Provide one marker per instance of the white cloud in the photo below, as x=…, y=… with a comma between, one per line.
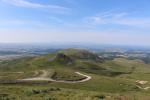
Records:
x=105, y=18
x=137, y=22
x=12, y=22
x=25, y=24
x=118, y=19
x=27, y=4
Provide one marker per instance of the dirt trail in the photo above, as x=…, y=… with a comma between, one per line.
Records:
x=44, y=77
x=87, y=77
x=144, y=88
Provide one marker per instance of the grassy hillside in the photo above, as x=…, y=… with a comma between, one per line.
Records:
x=112, y=79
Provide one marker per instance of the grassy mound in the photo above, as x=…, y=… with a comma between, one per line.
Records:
x=81, y=54
x=66, y=75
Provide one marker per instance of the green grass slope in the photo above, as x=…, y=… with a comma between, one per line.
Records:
x=111, y=79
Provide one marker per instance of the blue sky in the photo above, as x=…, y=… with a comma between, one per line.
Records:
x=125, y=22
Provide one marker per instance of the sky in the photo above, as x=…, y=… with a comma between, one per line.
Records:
x=120, y=22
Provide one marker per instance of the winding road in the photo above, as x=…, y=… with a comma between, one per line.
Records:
x=44, y=77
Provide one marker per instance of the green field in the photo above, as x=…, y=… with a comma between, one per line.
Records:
x=111, y=79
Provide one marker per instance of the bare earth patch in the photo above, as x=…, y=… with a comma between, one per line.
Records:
x=142, y=83
x=45, y=74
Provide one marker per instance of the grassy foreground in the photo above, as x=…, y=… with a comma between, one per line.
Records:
x=111, y=79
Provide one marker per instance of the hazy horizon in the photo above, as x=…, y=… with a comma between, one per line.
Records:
x=56, y=45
